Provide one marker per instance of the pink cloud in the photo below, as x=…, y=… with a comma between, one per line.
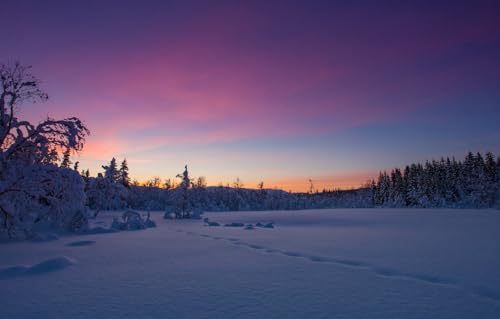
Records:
x=223, y=76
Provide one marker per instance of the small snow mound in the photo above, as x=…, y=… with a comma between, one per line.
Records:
x=209, y=223
x=235, y=225
x=12, y=271
x=132, y=220
x=213, y=224
x=81, y=243
x=169, y=215
x=49, y=265
x=262, y=225
x=172, y=213
x=196, y=214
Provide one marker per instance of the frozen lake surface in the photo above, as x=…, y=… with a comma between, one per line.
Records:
x=344, y=263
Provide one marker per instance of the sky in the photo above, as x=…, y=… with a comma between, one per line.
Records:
x=273, y=91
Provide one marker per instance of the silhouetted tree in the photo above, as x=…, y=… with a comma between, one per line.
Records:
x=66, y=162
x=444, y=183
x=238, y=183
x=23, y=140
x=183, y=200
x=201, y=182
x=111, y=171
x=123, y=177
x=32, y=187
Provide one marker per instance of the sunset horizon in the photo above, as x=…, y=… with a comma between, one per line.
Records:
x=253, y=159
x=263, y=91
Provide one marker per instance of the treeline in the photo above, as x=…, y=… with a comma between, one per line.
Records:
x=40, y=187
x=112, y=190
x=471, y=183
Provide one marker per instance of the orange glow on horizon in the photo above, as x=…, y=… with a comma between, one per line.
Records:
x=302, y=184
x=295, y=184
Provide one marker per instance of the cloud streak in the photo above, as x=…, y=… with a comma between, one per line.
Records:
x=159, y=75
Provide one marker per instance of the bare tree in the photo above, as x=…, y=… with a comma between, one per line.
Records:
x=201, y=182
x=154, y=182
x=311, y=186
x=23, y=140
x=260, y=186
x=238, y=183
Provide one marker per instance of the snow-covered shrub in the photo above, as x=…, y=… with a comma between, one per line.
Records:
x=196, y=213
x=149, y=223
x=132, y=220
x=34, y=195
x=169, y=214
x=104, y=194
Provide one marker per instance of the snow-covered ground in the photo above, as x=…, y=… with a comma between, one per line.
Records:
x=352, y=263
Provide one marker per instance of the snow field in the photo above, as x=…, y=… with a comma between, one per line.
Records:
x=353, y=263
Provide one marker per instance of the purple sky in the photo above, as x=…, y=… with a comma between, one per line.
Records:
x=279, y=91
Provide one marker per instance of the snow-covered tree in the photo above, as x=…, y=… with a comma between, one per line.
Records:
x=111, y=171
x=123, y=177
x=444, y=183
x=180, y=200
x=33, y=190
x=104, y=194
x=39, y=194
x=186, y=181
x=109, y=190
x=183, y=200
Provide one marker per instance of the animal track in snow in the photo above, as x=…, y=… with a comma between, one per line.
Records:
x=383, y=272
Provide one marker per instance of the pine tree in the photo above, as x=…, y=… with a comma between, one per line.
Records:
x=66, y=162
x=490, y=171
x=497, y=197
x=111, y=171
x=124, y=178
x=397, y=188
x=185, y=179
x=475, y=182
x=184, y=203
x=201, y=182
x=383, y=189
